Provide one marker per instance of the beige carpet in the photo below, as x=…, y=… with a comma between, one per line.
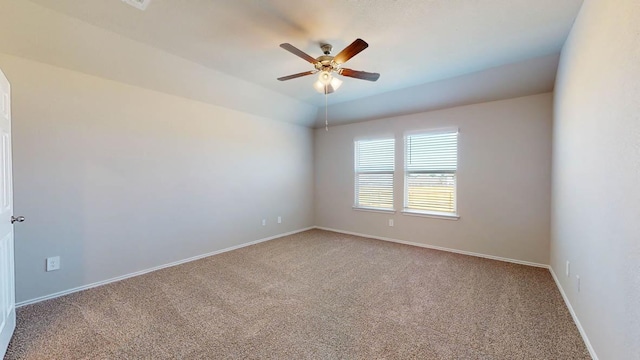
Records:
x=313, y=295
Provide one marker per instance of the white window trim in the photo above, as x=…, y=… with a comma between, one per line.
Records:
x=433, y=131
x=380, y=136
x=405, y=195
x=429, y=214
x=355, y=173
x=368, y=209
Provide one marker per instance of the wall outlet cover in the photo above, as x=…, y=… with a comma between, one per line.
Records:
x=53, y=263
x=138, y=4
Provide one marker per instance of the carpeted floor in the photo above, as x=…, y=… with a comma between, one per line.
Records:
x=313, y=295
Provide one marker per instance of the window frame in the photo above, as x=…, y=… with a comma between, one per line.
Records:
x=392, y=172
x=428, y=213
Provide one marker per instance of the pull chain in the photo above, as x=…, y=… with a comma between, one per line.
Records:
x=326, y=111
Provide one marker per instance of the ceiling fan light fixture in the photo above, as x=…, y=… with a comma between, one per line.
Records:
x=330, y=87
x=336, y=83
x=325, y=77
x=320, y=87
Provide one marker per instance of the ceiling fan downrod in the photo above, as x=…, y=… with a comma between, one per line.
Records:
x=326, y=48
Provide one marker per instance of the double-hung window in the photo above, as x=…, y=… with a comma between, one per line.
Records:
x=431, y=162
x=374, y=167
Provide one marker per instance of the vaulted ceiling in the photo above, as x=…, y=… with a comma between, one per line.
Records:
x=414, y=44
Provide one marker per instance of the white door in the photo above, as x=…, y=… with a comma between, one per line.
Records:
x=7, y=281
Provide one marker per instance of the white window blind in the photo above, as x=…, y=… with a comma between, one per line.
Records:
x=431, y=162
x=374, y=166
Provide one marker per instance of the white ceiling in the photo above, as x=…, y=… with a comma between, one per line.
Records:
x=226, y=53
x=411, y=42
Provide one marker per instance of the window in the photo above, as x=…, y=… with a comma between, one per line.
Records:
x=374, y=166
x=431, y=161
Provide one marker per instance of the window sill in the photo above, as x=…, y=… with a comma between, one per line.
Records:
x=385, y=211
x=430, y=215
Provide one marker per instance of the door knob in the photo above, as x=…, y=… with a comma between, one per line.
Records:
x=17, y=219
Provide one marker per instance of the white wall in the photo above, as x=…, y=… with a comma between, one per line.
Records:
x=596, y=175
x=504, y=179
x=116, y=178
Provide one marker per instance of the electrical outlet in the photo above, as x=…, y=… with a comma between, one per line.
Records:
x=279, y=219
x=578, y=282
x=264, y=222
x=390, y=222
x=568, y=269
x=53, y=263
x=138, y=4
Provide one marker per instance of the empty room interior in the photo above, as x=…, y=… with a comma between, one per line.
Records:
x=341, y=179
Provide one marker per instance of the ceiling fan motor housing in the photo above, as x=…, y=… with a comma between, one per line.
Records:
x=326, y=63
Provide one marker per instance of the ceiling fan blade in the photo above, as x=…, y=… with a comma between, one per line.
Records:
x=350, y=51
x=284, y=78
x=295, y=51
x=359, y=74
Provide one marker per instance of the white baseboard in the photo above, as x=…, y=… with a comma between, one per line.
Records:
x=592, y=352
x=515, y=261
x=118, y=278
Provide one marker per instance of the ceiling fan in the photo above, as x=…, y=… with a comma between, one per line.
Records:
x=327, y=64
